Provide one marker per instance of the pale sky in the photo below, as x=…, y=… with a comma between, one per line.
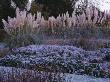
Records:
x=30, y=1
x=104, y=5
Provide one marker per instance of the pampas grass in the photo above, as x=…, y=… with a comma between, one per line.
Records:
x=25, y=25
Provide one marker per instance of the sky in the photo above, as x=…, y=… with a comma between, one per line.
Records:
x=30, y=1
x=101, y=4
x=104, y=5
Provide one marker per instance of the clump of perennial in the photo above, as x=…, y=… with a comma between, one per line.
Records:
x=90, y=17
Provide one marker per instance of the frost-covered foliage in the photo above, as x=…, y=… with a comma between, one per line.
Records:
x=9, y=74
x=66, y=59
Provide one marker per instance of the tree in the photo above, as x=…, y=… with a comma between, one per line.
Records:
x=21, y=3
x=55, y=7
x=7, y=10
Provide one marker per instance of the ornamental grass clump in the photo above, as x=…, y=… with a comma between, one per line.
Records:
x=21, y=28
x=91, y=22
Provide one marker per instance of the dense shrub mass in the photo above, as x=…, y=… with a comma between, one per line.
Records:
x=63, y=59
x=9, y=74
